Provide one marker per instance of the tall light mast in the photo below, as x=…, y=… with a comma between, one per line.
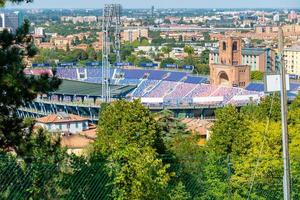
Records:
x=111, y=38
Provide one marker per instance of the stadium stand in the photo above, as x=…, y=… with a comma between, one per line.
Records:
x=176, y=76
x=175, y=88
x=67, y=73
x=181, y=90
x=38, y=71
x=134, y=73
x=157, y=74
x=295, y=86
x=259, y=87
x=226, y=92
x=128, y=82
x=162, y=89
x=195, y=79
x=202, y=90
x=144, y=87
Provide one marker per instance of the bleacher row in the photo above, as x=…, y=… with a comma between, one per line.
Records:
x=125, y=76
x=184, y=93
x=172, y=86
x=38, y=71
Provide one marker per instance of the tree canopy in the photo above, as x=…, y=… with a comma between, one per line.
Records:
x=17, y=88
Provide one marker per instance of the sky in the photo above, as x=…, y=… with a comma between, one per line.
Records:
x=162, y=4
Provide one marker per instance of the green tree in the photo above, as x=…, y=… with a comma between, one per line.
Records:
x=206, y=36
x=36, y=174
x=167, y=21
x=166, y=50
x=91, y=53
x=257, y=75
x=229, y=139
x=141, y=52
x=252, y=138
x=201, y=69
x=86, y=178
x=67, y=47
x=43, y=155
x=261, y=165
x=132, y=59
x=180, y=149
x=167, y=61
x=189, y=50
x=126, y=51
x=76, y=41
x=140, y=60
x=3, y=2
x=17, y=88
x=126, y=138
x=99, y=56
x=144, y=42
x=204, y=57
x=158, y=41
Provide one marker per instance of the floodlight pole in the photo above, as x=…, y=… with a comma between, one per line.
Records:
x=284, y=127
x=111, y=23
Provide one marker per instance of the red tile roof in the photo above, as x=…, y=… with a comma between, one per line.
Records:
x=55, y=118
x=75, y=141
x=197, y=126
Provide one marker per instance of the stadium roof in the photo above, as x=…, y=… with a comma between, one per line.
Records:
x=71, y=87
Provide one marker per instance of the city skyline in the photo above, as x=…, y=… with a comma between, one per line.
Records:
x=162, y=4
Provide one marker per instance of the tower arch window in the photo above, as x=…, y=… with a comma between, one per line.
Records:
x=224, y=46
x=234, y=46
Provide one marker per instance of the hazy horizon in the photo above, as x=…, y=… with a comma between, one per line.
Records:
x=134, y=4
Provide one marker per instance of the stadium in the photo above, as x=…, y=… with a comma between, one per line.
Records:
x=186, y=94
x=84, y=88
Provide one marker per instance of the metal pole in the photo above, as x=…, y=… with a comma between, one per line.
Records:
x=229, y=176
x=284, y=127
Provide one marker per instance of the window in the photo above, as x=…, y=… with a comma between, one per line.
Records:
x=224, y=46
x=76, y=124
x=234, y=46
x=242, y=83
x=84, y=125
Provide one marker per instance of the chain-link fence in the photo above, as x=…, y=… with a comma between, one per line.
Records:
x=79, y=179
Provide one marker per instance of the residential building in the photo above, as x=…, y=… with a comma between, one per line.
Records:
x=63, y=123
x=263, y=32
x=259, y=59
x=276, y=18
x=292, y=60
x=11, y=21
x=39, y=31
x=75, y=131
x=292, y=17
x=79, y=19
x=130, y=35
x=183, y=36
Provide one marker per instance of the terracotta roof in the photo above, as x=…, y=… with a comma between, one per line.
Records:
x=91, y=133
x=58, y=118
x=75, y=141
x=197, y=126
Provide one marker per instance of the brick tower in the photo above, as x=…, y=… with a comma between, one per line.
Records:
x=228, y=69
